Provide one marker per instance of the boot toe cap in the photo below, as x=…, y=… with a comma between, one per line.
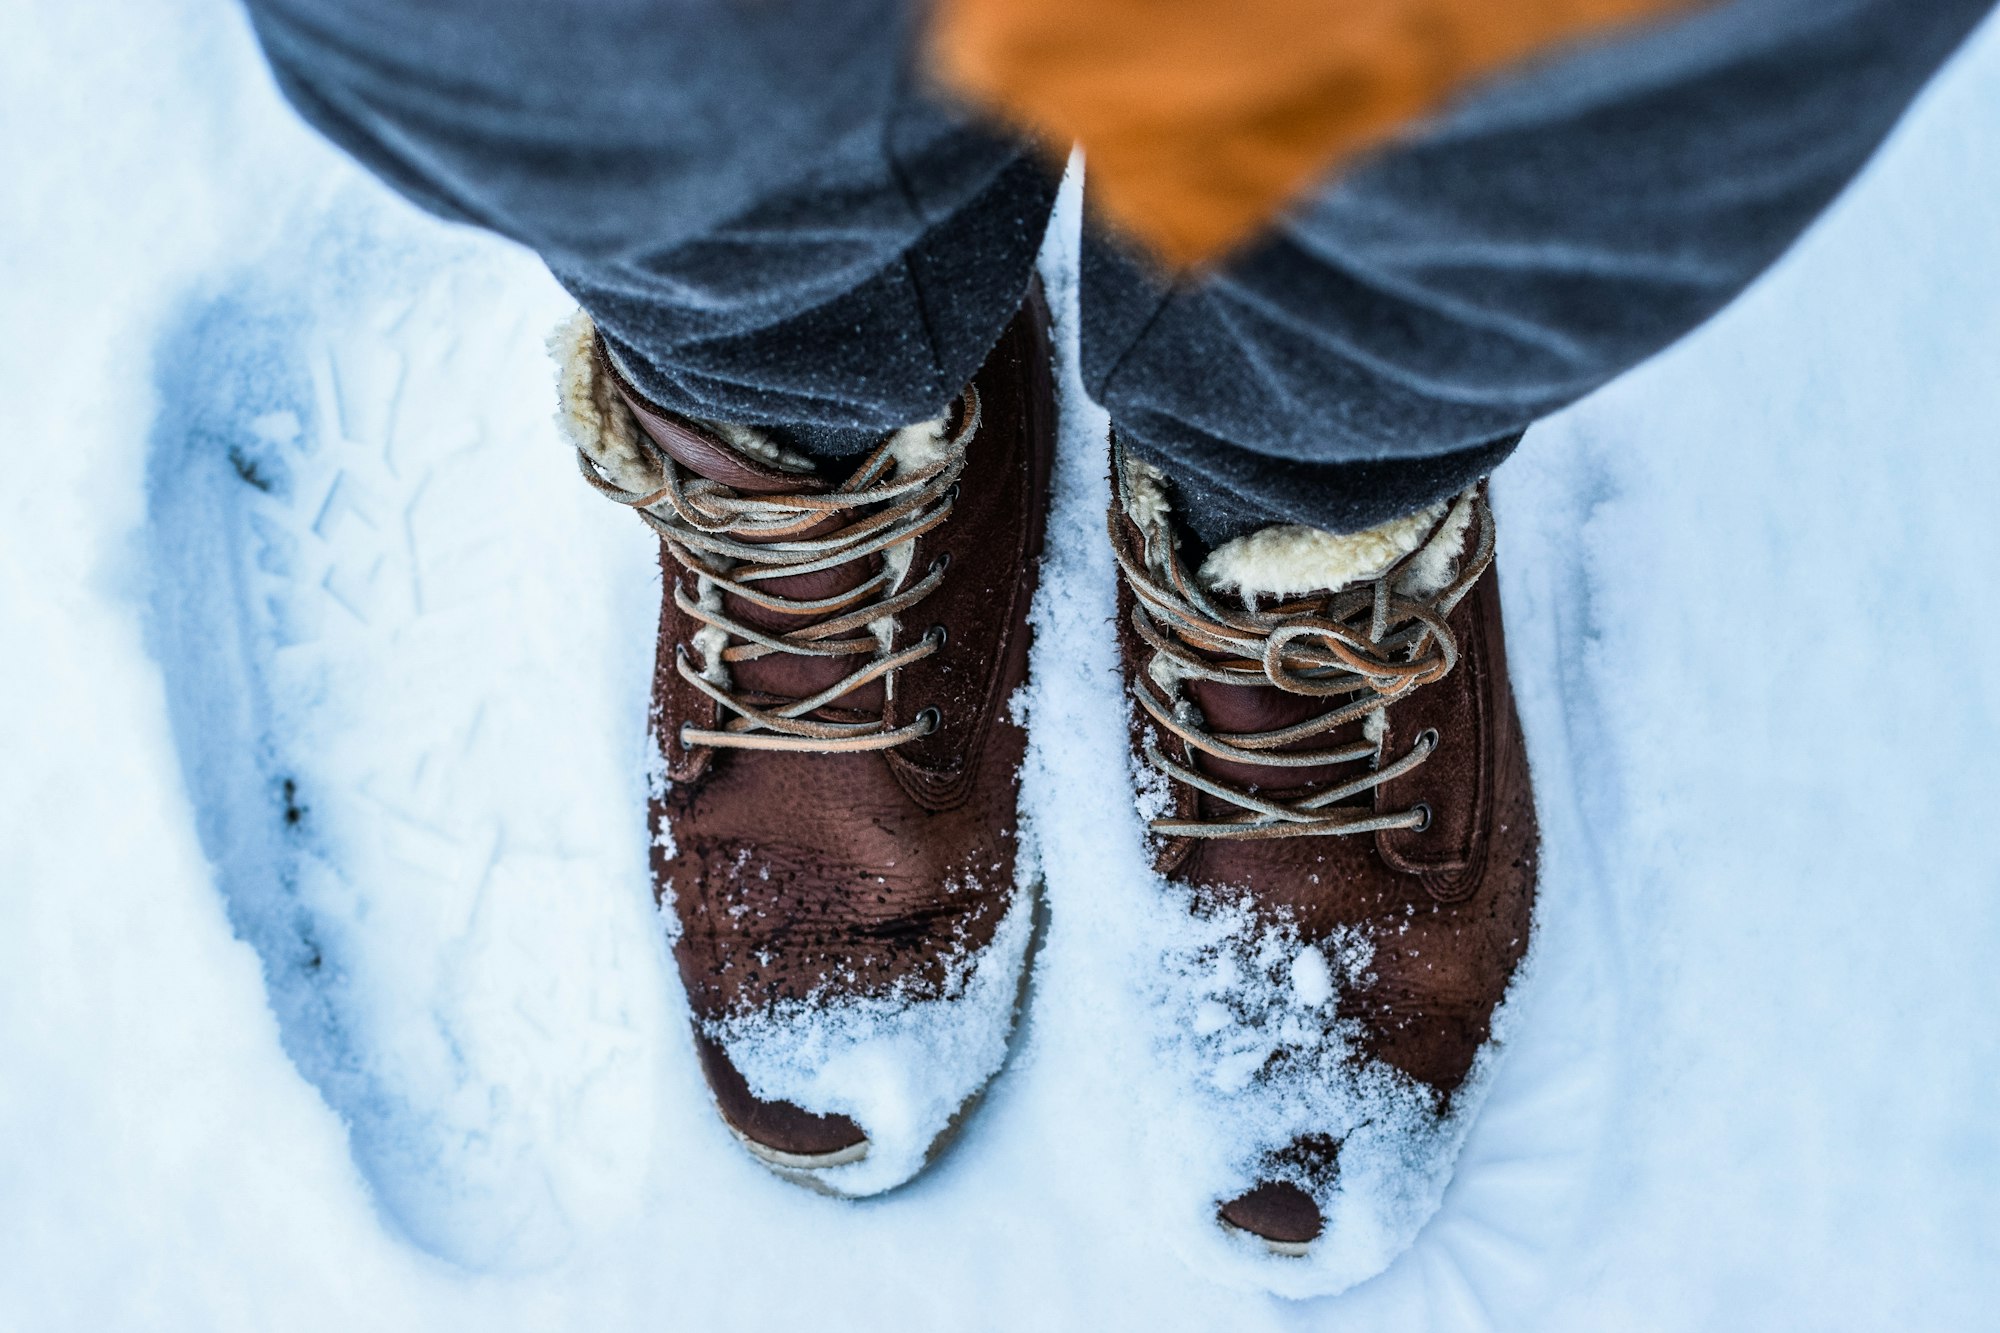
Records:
x=1278, y=1213
x=778, y=1133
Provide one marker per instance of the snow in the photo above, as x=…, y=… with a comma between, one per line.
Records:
x=322, y=555
x=900, y=1067
x=1747, y=1083
x=1245, y=1064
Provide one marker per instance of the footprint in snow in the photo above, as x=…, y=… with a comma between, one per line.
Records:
x=360, y=609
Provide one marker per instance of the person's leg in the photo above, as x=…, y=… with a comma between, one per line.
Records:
x=1313, y=644
x=767, y=222
x=769, y=227
x=1386, y=343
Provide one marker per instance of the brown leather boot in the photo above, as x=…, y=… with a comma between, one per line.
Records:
x=835, y=816
x=1323, y=728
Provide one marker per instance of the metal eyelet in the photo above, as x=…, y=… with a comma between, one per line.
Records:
x=1423, y=811
x=942, y=563
x=937, y=636
x=951, y=493
x=1428, y=736
x=931, y=719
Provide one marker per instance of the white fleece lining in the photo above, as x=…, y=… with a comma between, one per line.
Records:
x=1434, y=567
x=1145, y=495
x=749, y=440
x=1288, y=560
x=593, y=416
x=918, y=446
x=710, y=640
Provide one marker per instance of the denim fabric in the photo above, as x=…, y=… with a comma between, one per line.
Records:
x=772, y=221
x=1547, y=234
x=764, y=219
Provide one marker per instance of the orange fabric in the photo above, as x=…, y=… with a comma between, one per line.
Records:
x=1203, y=118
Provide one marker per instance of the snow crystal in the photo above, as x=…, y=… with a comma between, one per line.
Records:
x=1312, y=978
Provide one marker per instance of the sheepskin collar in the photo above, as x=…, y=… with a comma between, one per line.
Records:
x=1288, y=560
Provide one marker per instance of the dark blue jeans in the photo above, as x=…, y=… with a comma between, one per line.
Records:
x=773, y=221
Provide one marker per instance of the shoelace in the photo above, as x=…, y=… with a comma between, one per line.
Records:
x=704, y=524
x=1367, y=641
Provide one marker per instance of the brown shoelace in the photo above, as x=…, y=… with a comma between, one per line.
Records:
x=705, y=525
x=1367, y=644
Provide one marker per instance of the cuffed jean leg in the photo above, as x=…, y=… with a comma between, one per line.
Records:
x=1387, y=342
x=766, y=218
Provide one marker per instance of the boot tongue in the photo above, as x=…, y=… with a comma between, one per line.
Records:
x=1253, y=708
x=1288, y=562
x=706, y=454
x=1249, y=708
x=777, y=675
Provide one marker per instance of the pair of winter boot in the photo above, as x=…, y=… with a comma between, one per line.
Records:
x=1323, y=742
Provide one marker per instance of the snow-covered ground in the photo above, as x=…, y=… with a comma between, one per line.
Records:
x=330, y=990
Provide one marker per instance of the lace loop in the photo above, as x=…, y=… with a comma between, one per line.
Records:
x=1363, y=649
x=732, y=542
